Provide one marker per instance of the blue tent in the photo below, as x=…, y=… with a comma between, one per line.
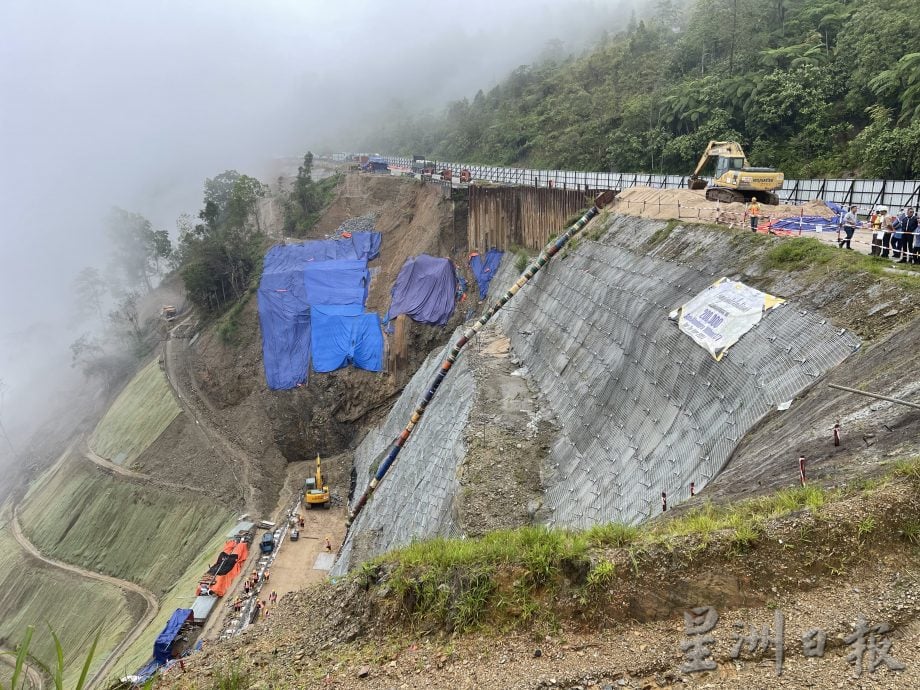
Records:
x=162, y=648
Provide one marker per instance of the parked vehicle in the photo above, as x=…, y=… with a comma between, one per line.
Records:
x=267, y=545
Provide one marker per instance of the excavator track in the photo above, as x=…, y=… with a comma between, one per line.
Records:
x=726, y=196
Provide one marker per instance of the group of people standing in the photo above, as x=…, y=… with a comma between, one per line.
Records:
x=893, y=235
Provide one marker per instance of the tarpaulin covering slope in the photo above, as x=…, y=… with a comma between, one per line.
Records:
x=343, y=281
x=425, y=289
x=343, y=335
x=163, y=645
x=284, y=313
x=484, y=268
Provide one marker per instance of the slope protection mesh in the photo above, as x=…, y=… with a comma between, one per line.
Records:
x=640, y=407
x=414, y=500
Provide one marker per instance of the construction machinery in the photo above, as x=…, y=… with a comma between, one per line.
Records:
x=734, y=180
x=315, y=493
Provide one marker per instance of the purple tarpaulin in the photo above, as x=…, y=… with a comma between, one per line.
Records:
x=425, y=290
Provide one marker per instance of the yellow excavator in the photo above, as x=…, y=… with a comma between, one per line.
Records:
x=734, y=180
x=315, y=493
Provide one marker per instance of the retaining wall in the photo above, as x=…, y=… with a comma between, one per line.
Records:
x=414, y=500
x=640, y=408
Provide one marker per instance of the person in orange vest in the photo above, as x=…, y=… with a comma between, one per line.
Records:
x=754, y=213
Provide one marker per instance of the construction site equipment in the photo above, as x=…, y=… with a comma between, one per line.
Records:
x=168, y=312
x=466, y=176
x=447, y=174
x=267, y=545
x=545, y=256
x=315, y=493
x=734, y=180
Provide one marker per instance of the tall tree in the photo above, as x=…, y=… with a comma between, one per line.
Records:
x=90, y=289
x=136, y=247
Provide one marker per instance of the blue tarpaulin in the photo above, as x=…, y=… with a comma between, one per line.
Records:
x=484, y=269
x=162, y=648
x=425, y=290
x=284, y=306
x=337, y=282
x=806, y=224
x=291, y=257
x=343, y=335
x=284, y=315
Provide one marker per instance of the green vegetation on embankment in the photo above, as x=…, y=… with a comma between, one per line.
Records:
x=812, y=87
x=130, y=529
x=537, y=575
x=76, y=608
x=138, y=416
x=180, y=596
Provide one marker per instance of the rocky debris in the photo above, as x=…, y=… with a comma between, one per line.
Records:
x=363, y=223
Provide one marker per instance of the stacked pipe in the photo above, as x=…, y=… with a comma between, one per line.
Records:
x=545, y=256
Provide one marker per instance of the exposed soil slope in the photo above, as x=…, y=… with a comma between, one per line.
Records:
x=325, y=415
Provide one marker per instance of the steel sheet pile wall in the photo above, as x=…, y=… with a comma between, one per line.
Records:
x=507, y=217
x=414, y=500
x=641, y=408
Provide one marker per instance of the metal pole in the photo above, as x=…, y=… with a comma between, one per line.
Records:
x=873, y=395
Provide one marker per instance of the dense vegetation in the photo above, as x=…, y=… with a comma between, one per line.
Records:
x=218, y=255
x=813, y=87
x=307, y=199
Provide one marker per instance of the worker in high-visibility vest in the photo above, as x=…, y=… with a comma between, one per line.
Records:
x=754, y=213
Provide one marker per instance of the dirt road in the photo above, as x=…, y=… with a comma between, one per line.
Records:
x=35, y=678
x=294, y=566
x=153, y=605
x=237, y=460
x=111, y=467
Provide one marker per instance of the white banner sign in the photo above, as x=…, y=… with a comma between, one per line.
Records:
x=726, y=310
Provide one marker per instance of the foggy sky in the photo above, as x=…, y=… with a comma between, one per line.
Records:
x=134, y=103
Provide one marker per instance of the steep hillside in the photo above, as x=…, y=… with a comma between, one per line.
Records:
x=128, y=528
x=325, y=415
x=813, y=87
x=621, y=406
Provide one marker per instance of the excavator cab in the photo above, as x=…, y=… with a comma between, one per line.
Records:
x=725, y=163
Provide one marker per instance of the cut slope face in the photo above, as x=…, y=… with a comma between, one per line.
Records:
x=138, y=416
x=416, y=497
x=641, y=408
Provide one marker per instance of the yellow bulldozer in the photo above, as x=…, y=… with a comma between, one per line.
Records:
x=315, y=493
x=734, y=179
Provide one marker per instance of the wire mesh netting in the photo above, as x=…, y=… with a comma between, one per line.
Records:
x=414, y=499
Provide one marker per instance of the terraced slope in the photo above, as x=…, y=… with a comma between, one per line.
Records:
x=74, y=607
x=138, y=416
x=127, y=528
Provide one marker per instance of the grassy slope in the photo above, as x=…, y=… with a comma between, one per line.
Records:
x=119, y=527
x=138, y=416
x=74, y=607
x=180, y=596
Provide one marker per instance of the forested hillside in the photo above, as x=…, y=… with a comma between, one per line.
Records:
x=813, y=87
